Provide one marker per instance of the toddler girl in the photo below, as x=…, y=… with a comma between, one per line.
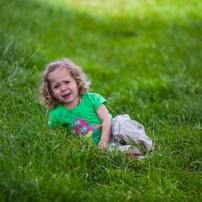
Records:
x=65, y=89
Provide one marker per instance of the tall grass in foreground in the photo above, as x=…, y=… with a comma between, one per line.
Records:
x=144, y=57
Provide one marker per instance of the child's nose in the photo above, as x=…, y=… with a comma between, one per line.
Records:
x=63, y=88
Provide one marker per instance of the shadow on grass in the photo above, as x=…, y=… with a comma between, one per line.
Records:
x=119, y=41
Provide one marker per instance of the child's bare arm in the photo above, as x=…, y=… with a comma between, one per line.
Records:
x=105, y=119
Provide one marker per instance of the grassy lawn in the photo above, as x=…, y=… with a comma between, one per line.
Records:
x=144, y=57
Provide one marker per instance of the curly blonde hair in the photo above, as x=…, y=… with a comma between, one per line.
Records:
x=83, y=82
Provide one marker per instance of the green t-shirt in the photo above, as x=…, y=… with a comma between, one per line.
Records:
x=83, y=119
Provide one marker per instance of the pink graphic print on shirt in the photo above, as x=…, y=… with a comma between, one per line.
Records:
x=80, y=126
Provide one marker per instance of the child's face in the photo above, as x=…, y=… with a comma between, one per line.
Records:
x=64, y=87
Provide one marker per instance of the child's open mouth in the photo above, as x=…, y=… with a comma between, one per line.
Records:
x=66, y=95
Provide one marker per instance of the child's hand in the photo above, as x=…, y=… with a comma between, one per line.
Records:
x=103, y=144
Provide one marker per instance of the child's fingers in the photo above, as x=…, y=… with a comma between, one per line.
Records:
x=103, y=145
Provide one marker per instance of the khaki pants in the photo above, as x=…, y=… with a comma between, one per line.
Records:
x=129, y=136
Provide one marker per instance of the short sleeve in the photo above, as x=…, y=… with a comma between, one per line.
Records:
x=98, y=100
x=53, y=122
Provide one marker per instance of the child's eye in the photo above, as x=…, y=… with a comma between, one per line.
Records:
x=67, y=82
x=57, y=86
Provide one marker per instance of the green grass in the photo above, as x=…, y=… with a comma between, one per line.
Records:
x=144, y=57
